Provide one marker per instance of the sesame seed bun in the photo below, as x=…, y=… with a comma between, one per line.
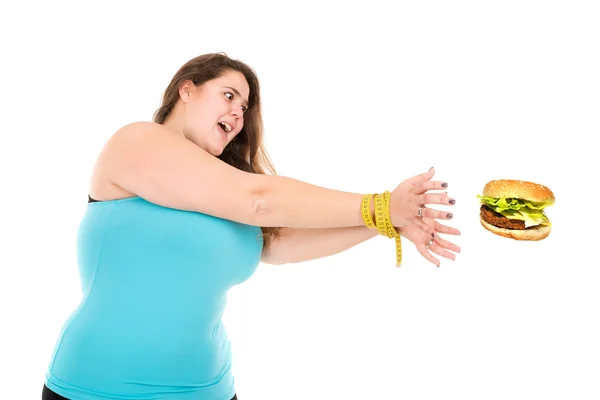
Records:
x=517, y=189
x=538, y=232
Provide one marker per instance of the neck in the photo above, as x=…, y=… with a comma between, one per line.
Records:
x=173, y=123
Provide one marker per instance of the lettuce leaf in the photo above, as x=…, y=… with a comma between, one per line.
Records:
x=531, y=212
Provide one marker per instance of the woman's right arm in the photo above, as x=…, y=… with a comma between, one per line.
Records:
x=164, y=168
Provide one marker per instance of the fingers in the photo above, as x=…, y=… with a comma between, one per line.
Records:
x=435, y=214
x=428, y=256
x=439, y=250
x=425, y=228
x=426, y=186
x=442, y=244
x=421, y=177
x=439, y=246
x=446, y=229
x=435, y=198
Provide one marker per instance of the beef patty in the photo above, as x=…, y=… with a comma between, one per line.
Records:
x=500, y=220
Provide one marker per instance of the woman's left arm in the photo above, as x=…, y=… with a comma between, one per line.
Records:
x=295, y=245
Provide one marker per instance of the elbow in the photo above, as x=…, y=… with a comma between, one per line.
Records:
x=270, y=203
x=257, y=193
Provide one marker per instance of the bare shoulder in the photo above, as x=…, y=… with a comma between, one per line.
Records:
x=134, y=130
x=102, y=184
x=148, y=160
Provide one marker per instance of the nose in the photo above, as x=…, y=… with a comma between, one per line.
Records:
x=236, y=110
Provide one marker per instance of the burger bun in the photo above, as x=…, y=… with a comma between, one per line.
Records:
x=537, y=232
x=517, y=189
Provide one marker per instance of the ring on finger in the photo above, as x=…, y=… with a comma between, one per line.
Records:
x=420, y=212
x=429, y=243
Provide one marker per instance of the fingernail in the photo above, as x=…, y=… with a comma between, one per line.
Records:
x=438, y=265
x=433, y=235
x=430, y=168
x=452, y=201
x=449, y=215
x=444, y=184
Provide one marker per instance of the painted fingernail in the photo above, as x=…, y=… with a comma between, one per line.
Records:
x=452, y=201
x=430, y=168
x=433, y=235
x=449, y=215
x=444, y=184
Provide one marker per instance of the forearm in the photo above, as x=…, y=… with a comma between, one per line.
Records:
x=283, y=201
x=295, y=245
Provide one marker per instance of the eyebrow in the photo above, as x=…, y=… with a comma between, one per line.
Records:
x=237, y=94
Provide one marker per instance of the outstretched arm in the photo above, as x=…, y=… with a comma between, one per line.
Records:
x=296, y=245
x=161, y=166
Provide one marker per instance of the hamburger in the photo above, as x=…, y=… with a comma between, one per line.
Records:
x=516, y=209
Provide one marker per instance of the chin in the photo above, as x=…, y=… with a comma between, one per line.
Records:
x=217, y=153
x=216, y=149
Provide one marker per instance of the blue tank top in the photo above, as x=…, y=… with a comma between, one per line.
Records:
x=149, y=325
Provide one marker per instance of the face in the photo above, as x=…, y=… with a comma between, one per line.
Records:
x=214, y=111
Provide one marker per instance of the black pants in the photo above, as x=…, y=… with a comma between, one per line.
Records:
x=48, y=394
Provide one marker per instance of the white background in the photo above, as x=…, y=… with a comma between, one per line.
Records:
x=357, y=97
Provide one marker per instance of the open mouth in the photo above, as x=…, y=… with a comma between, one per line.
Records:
x=225, y=127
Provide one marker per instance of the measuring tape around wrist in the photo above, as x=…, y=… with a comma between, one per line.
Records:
x=383, y=222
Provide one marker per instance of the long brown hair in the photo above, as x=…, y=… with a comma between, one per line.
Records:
x=246, y=151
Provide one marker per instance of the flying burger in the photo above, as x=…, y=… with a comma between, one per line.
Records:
x=515, y=209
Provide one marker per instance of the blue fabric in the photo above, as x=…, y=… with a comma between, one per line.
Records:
x=155, y=282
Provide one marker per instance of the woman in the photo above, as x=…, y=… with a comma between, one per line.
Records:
x=180, y=210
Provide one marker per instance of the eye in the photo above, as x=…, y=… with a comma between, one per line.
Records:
x=230, y=97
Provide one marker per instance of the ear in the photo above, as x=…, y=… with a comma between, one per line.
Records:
x=186, y=90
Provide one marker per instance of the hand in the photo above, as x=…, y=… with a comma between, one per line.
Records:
x=439, y=246
x=410, y=196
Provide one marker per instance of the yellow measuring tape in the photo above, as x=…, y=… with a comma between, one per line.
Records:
x=383, y=222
